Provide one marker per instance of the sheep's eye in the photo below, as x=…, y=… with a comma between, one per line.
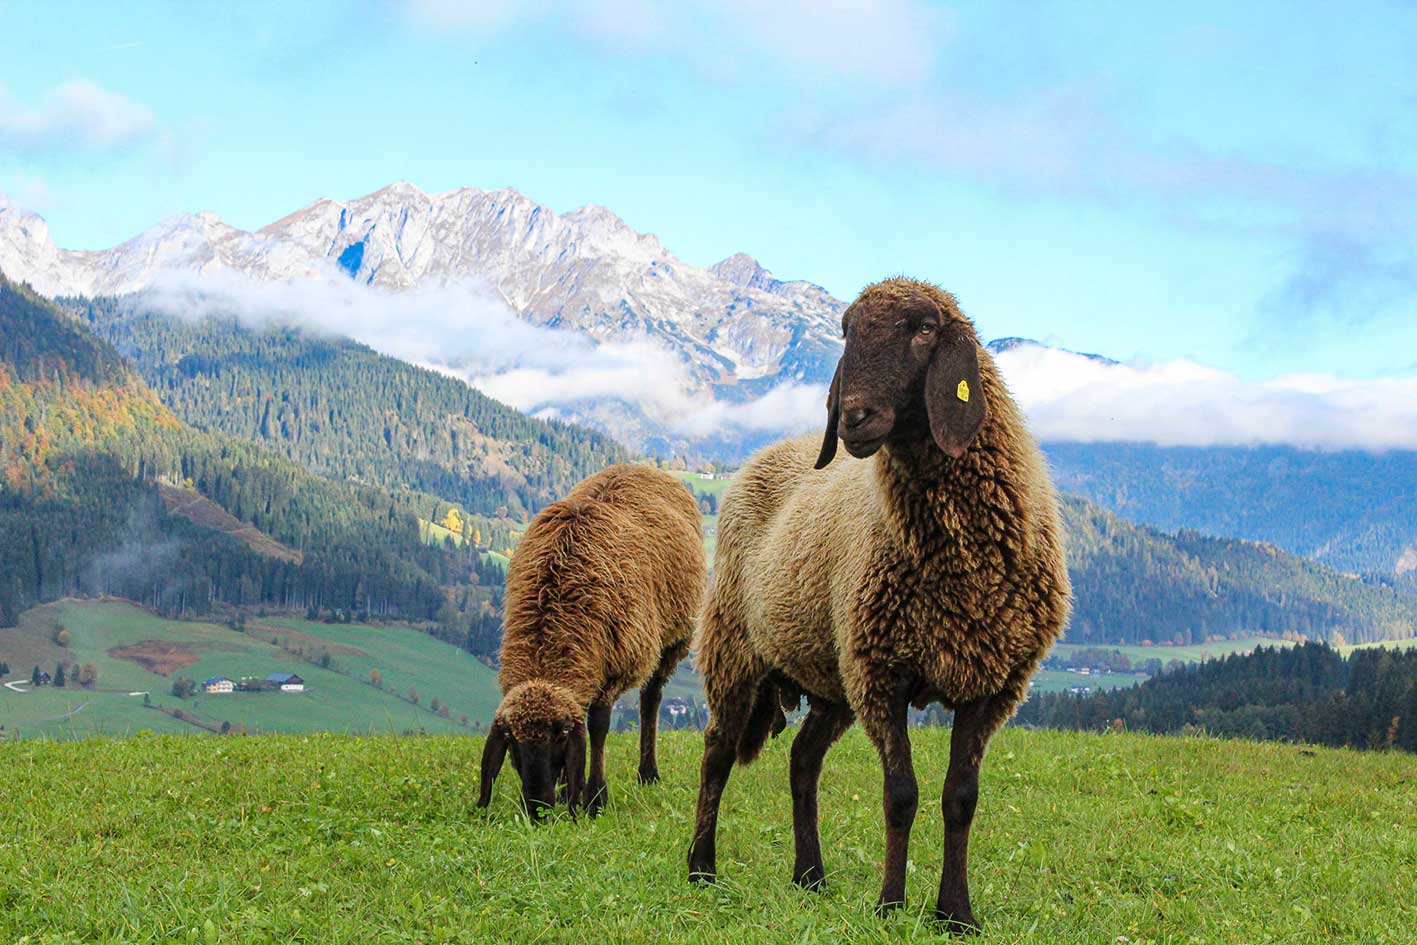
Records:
x=926, y=328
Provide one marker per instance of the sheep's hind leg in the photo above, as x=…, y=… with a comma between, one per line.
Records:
x=974, y=723
x=823, y=726
x=596, y=792
x=650, y=695
x=729, y=711
x=887, y=728
x=731, y=675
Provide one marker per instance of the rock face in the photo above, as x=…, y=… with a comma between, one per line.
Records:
x=587, y=270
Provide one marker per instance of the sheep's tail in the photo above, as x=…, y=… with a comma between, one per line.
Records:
x=767, y=717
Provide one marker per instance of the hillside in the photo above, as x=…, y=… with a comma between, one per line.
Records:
x=347, y=412
x=1353, y=510
x=1078, y=839
x=135, y=652
x=1133, y=583
x=85, y=447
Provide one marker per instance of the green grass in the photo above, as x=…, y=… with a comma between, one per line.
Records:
x=1057, y=680
x=1186, y=654
x=333, y=839
x=334, y=701
x=714, y=487
x=407, y=658
x=1406, y=644
x=434, y=534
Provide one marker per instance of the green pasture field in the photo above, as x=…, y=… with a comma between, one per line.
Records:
x=333, y=701
x=1057, y=680
x=1390, y=644
x=1079, y=838
x=1186, y=654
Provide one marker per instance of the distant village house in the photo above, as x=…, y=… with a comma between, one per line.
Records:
x=218, y=684
x=287, y=682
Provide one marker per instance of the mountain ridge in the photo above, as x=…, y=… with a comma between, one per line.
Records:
x=585, y=269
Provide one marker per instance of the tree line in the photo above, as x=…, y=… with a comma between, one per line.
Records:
x=1305, y=693
x=347, y=412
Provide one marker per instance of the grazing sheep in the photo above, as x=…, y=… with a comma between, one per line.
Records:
x=602, y=596
x=934, y=573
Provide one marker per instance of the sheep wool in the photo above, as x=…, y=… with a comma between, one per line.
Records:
x=602, y=596
x=910, y=577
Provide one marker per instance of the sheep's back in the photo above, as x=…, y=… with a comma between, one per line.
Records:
x=604, y=580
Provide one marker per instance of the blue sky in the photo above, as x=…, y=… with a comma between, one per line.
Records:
x=1233, y=185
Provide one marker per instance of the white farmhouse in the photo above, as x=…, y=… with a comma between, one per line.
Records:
x=287, y=682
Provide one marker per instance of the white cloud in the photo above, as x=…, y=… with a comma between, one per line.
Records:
x=1068, y=397
x=466, y=330
x=890, y=42
x=76, y=116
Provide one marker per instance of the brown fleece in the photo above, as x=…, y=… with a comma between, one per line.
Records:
x=907, y=577
x=606, y=582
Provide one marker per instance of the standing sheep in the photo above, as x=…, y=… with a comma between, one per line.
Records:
x=934, y=573
x=602, y=595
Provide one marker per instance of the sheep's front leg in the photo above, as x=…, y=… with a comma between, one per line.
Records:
x=823, y=726
x=597, y=725
x=887, y=728
x=974, y=723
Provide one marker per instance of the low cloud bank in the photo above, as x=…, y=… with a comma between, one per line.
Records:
x=1071, y=398
x=468, y=331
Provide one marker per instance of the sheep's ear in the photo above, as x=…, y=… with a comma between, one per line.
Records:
x=493, y=754
x=954, y=397
x=575, y=765
x=828, y=452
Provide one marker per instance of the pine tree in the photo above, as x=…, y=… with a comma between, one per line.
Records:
x=59, y=675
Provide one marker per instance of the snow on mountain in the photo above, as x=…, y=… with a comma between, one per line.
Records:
x=585, y=270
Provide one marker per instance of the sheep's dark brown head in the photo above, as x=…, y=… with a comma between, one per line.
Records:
x=542, y=726
x=910, y=366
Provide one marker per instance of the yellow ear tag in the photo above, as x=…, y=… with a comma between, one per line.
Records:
x=962, y=391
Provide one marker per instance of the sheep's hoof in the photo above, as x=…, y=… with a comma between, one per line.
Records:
x=702, y=877
x=958, y=923
x=649, y=775
x=595, y=799
x=884, y=908
x=813, y=878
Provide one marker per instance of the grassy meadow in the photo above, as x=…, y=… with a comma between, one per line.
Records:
x=338, y=698
x=327, y=838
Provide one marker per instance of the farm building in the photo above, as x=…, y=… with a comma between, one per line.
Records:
x=218, y=684
x=288, y=682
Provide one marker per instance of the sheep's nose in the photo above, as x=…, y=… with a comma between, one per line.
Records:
x=854, y=418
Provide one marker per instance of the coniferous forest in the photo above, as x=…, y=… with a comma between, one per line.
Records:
x=346, y=412
x=1306, y=693
x=84, y=446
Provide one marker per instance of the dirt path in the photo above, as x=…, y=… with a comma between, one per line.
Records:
x=55, y=718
